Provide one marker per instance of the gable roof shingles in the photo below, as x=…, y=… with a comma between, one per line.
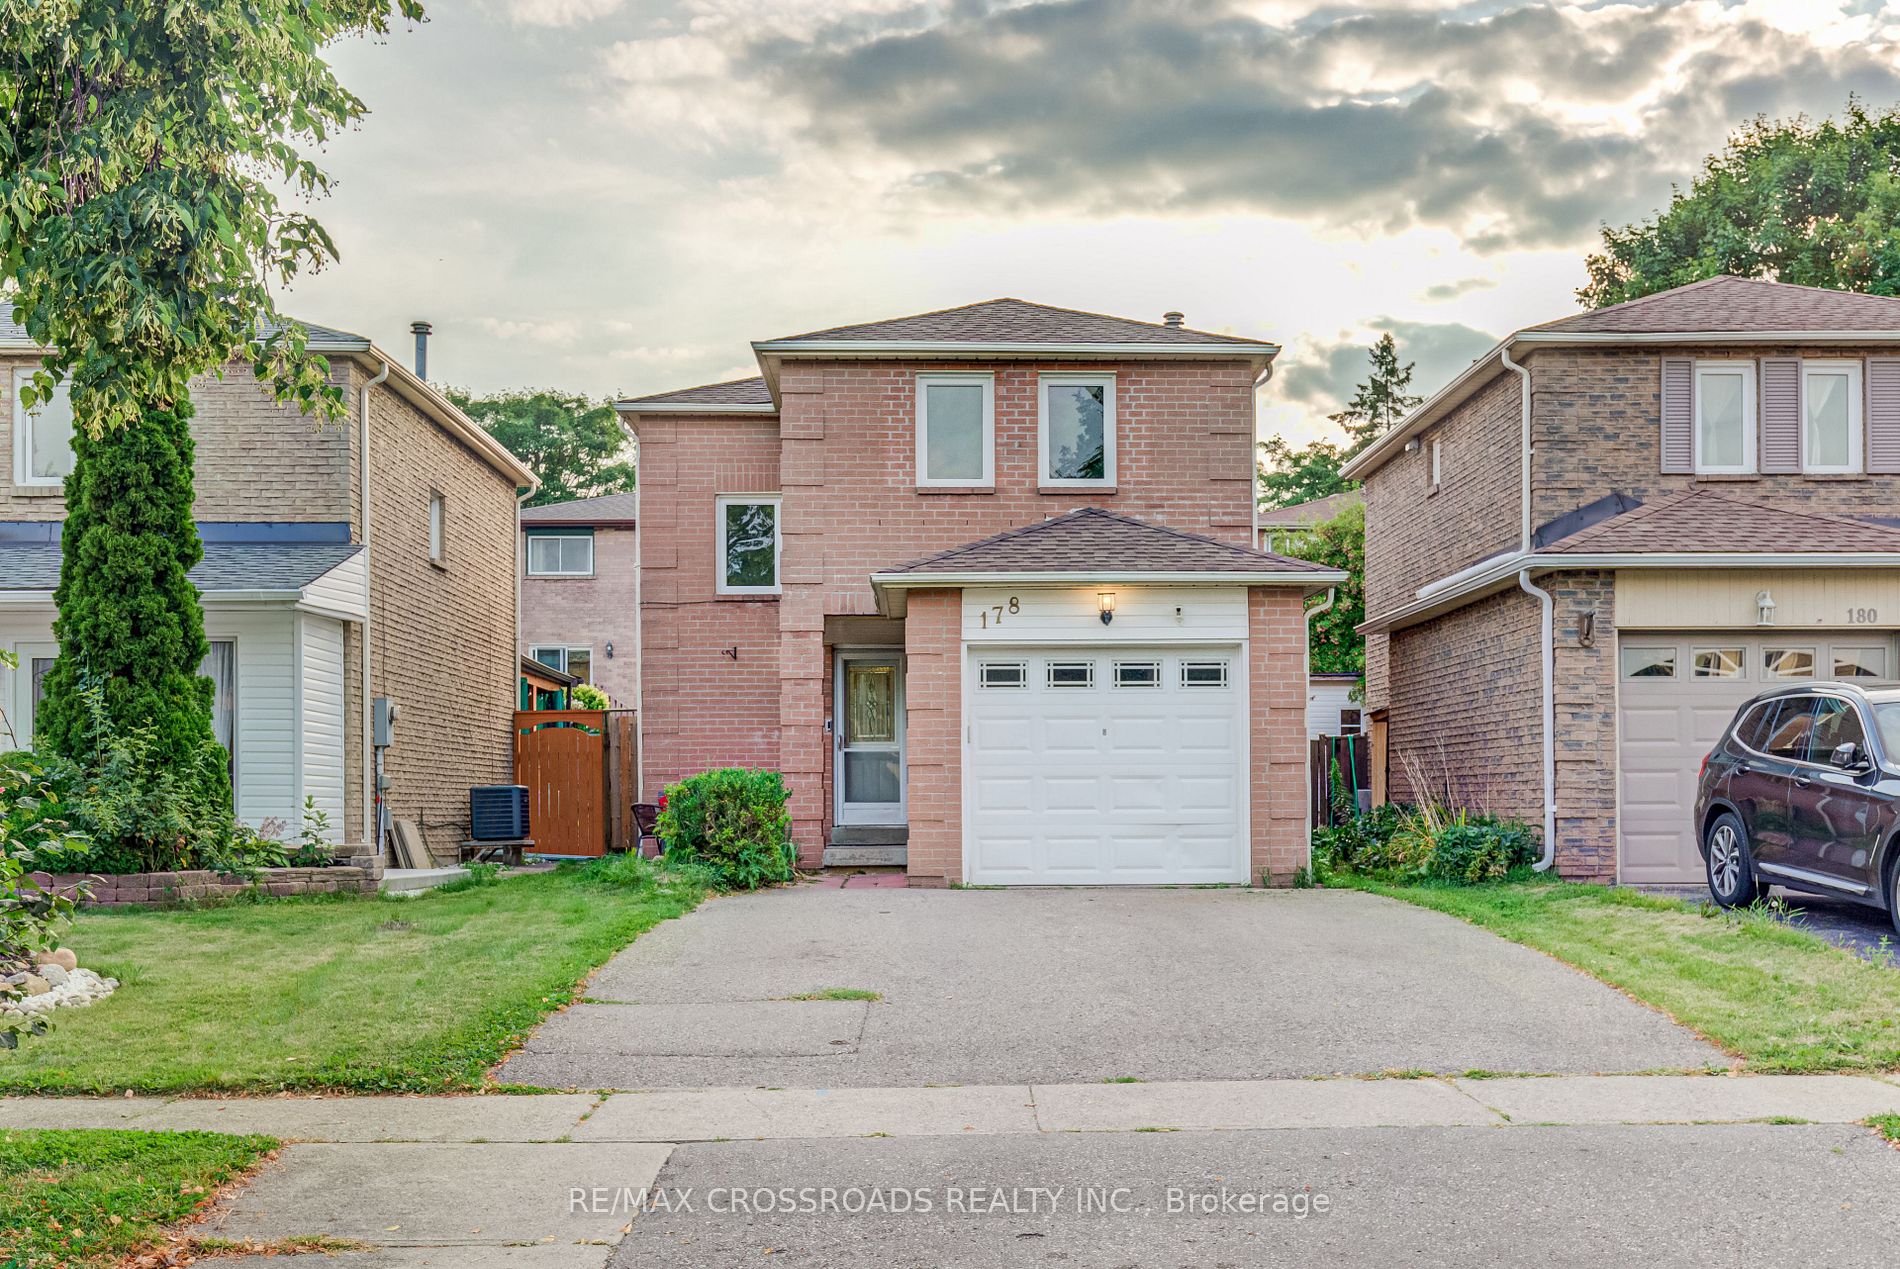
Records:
x=1698, y=522
x=1742, y=305
x=1092, y=540
x=1012, y=321
x=613, y=508
x=751, y=391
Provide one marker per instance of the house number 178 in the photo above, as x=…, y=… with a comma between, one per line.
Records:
x=993, y=615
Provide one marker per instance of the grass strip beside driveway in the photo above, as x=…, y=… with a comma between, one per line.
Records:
x=360, y=994
x=90, y=1196
x=1778, y=997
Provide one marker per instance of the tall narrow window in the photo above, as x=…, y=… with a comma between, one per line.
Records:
x=1725, y=417
x=220, y=666
x=1831, y=416
x=1438, y=462
x=956, y=430
x=438, y=527
x=43, y=435
x=748, y=545
x=1078, y=429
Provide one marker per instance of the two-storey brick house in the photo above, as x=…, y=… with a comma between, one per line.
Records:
x=981, y=583
x=327, y=581
x=580, y=591
x=1595, y=543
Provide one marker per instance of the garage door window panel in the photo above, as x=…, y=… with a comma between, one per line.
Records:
x=1860, y=663
x=1648, y=663
x=1002, y=674
x=1718, y=663
x=1204, y=674
x=1072, y=674
x=1138, y=674
x=1787, y=663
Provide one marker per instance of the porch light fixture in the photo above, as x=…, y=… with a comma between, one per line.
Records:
x=1106, y=602
x=1764, y=608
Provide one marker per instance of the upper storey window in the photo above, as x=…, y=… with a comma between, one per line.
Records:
x=1077, y=430
x=748, y=545
x=1725, y=417
x=1831, y=416
x=956, y=430
x=42, y=436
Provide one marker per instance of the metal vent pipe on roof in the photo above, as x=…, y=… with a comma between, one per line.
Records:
x=1173, y=320
x=422, y=330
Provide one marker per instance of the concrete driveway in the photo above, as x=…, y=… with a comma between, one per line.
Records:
x=1081, y=986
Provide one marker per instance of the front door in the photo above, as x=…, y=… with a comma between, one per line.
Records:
x=868, y=737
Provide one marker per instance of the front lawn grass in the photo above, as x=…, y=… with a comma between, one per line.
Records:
x=359, y=994
x=1778, y=997
x=91, y=1196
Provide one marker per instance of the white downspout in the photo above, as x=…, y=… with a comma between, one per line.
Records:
x=1547, y=624
x=369, y=748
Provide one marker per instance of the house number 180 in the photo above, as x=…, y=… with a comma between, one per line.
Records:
x=1862, y=616
x=993, y=615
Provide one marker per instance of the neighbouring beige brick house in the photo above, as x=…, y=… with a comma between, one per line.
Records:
x=580, y=591
x=1708, y=500
x=303, y=590
x=981, y=583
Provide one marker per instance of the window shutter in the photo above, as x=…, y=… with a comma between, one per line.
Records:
x=1678, y=416
x=1883, y=415
x=1780, y=415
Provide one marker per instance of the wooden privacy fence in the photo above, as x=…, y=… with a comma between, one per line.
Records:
x=1352, y=755
x=579, y=768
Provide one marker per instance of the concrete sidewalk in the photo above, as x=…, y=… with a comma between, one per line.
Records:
x=549, y=1182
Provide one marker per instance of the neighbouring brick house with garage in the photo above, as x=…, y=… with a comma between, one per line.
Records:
x=314, y=571
x=981, y=583
x=1710, y=500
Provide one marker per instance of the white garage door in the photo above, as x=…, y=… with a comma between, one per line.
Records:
x=1109, y=766
x=1678, y=692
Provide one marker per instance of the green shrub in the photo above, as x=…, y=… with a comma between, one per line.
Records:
x=1425, y=841
x=1480, y=850
x=735, y=822
x=587, y=696
x=33, y=838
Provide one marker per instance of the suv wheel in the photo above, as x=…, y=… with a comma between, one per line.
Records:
x=1731, y=867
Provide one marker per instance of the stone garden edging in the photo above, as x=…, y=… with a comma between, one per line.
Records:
x=135, y=889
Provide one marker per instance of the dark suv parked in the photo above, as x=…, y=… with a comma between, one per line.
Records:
x=1803, y=791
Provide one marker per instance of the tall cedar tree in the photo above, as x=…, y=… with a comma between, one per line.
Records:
x=1813, y=204
x=141, y=237
x=574, y=445
x=1291, y=476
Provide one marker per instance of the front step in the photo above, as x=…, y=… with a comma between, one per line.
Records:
x=887, y=856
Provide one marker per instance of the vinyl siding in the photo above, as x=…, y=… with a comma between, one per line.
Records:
x=324, y=746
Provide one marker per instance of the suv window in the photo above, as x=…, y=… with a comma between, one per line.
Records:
x=1794, y=727
x=1752, y=731
x=1836, y=723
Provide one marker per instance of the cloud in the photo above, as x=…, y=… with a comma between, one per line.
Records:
x=1516, y=128
x=1452, y=290
x=1322, y=374
x=560, y=12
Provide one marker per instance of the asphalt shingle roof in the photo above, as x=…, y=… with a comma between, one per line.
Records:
x=614, y=508
x=1014, y=322
x=732, y=392
x=1742, y=305
x=1090, y=539
x=226, y=566
x=1699, y=522
x=12, y=332
x=1317, y=511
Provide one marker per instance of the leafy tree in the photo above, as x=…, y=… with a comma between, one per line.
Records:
x=1338, y=648
x=1814, y=204
x=1290, y=476
x=574, y=445
x=140, y=237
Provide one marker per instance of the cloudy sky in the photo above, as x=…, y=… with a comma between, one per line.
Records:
x=614, y=196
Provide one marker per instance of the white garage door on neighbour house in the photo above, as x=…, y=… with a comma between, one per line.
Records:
x=1112, y=765
x=1677, y=693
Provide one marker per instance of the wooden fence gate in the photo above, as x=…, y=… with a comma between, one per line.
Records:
x=578, y=767
x=1350, y=758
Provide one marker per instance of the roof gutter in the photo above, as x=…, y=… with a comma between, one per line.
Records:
x=891, y=589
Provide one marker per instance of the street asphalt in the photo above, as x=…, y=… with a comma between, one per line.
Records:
x=1727, y=1195
x=1080, y=986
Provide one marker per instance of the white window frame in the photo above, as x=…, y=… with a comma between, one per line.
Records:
x=1107, y=383
x=1438, y=462
x=985, y=381
x=1751, y=418
x=438, y=528
x=527, y=552
x=567, y=651
x=1018, y=669
x=1088, y=676
x=719, y=538
x=1189, y=668
x=1856, y=416
x=23, y=436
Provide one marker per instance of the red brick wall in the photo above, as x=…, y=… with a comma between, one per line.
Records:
x=933, y=687
x=1276, y=669
x=700, y=707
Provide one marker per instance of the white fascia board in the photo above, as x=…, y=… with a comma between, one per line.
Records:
x=919, y=581
x=25, y=598
x=694, y=407
x=1710, y=337
x=1002, y=348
